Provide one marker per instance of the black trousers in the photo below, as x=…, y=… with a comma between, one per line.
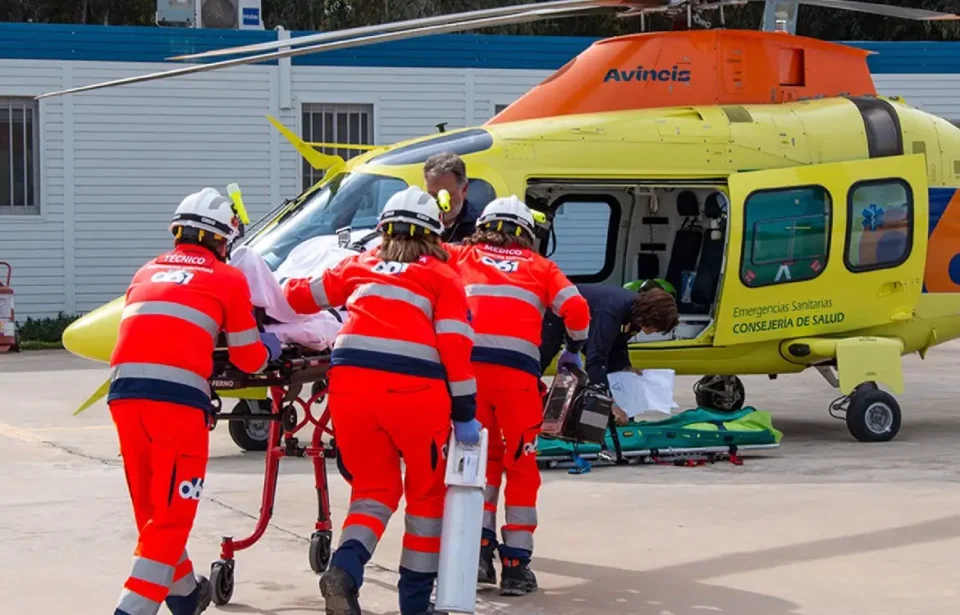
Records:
x=551, y=339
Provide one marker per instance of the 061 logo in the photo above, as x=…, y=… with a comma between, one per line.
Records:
x=175, y=276
x=501, y=265
x=191, y=489
x=390, y=267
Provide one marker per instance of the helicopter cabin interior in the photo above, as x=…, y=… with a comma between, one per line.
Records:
x=616, y=234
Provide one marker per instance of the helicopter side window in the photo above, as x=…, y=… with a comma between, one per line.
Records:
x=786, y=235
x=879, y=224
x=586, y=231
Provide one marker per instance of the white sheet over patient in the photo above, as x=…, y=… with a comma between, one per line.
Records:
x=317, y=331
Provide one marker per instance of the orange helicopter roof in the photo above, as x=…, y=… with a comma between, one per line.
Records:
x=701, y=67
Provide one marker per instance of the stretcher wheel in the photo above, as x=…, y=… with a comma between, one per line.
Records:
x=251, y=435
x=320, y=544
x=221, y=580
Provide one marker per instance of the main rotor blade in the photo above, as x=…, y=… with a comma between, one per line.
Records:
x=882, y=9
x=474, y=24
x=389, y=27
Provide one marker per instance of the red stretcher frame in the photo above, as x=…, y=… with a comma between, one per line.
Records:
x=286, y=380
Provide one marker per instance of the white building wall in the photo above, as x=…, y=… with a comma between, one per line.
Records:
x=115, y=162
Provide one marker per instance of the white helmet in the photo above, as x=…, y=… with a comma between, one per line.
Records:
x=511, y=210
x=207, y=210
x=410, y=209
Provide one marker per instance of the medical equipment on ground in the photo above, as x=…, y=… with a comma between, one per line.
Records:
x=8, y=326
x=574, y=410
x=466, y=479
x=699, y=433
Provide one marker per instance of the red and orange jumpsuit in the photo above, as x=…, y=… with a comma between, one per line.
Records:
x=159, y=396
x=508, y=290
x=400, y=371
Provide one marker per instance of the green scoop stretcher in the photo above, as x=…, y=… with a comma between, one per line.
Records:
x=698, y=433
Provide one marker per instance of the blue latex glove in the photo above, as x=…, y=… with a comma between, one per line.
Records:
x=272, y=342
x=467, y=433
x=569, y=358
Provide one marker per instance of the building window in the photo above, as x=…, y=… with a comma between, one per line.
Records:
x=342, y=124
x=19, y=157
x=786, y=235
x=585, y=228
x=498, y=108
x=879, y=224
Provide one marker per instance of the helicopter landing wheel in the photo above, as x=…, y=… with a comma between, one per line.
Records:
x=721, y=393
x=872, y=415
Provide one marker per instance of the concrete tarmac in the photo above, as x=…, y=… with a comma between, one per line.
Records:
x=824, y=525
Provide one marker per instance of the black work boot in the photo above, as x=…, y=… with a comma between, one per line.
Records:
x=516, y=578
x=340, y=596
x=205, y=594
x=486, y=573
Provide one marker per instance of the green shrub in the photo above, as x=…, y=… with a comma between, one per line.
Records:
x=48, y=329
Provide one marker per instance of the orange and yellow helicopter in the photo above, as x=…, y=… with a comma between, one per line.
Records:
x=804, y=220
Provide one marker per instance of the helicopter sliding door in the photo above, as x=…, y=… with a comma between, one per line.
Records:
x=821, y=249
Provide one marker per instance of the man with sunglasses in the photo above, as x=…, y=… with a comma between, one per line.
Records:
x=446, y=171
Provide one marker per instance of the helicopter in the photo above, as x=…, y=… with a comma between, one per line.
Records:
x=804, y=220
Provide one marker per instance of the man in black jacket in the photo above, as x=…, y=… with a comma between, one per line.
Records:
x=616, y=315
x=446, y=171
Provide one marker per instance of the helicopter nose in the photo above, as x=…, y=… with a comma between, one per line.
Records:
x=94, y=335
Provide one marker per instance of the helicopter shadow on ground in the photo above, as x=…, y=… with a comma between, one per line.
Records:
x=683, y=589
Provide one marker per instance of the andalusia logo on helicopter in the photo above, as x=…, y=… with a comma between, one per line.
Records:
x=804, y=220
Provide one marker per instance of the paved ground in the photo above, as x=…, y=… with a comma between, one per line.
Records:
x=822, y=526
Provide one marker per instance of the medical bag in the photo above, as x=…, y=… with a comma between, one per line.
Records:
x=574, y=410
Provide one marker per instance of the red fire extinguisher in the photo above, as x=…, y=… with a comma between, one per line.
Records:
x=8, y=327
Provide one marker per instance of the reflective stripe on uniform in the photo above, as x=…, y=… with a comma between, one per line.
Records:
x=152, y=571
x=371, y=508
x=578, y=335
x=319, y=293
x=518, y=539
x=424, y=527
x=174, y=310
x=463, y=387
x=361, y=534
x=421, y=561
x=184, y=586
x=504, y=290
x=155, y=371
x=134, y=604
x=243, y=338
x=506, y=342
x=392, y=292
x=379, y=344
x=418, y=561
x=521, y=515
x=454, y=326
x=491, y=495
x=562, y=296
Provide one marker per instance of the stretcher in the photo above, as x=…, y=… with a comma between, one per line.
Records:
x=291, y=410
x=579, y=427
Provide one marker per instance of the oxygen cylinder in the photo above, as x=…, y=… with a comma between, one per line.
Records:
x=462, y=526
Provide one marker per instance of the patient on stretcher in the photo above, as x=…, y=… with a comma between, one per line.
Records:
x=315, y=331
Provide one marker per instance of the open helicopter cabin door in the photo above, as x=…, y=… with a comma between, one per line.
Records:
x=823, y=249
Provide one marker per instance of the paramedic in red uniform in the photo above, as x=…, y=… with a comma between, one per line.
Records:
x=508, y=288
x=159, y=396
x=400, y=372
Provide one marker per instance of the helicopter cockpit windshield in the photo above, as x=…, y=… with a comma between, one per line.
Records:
x=349, y=199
